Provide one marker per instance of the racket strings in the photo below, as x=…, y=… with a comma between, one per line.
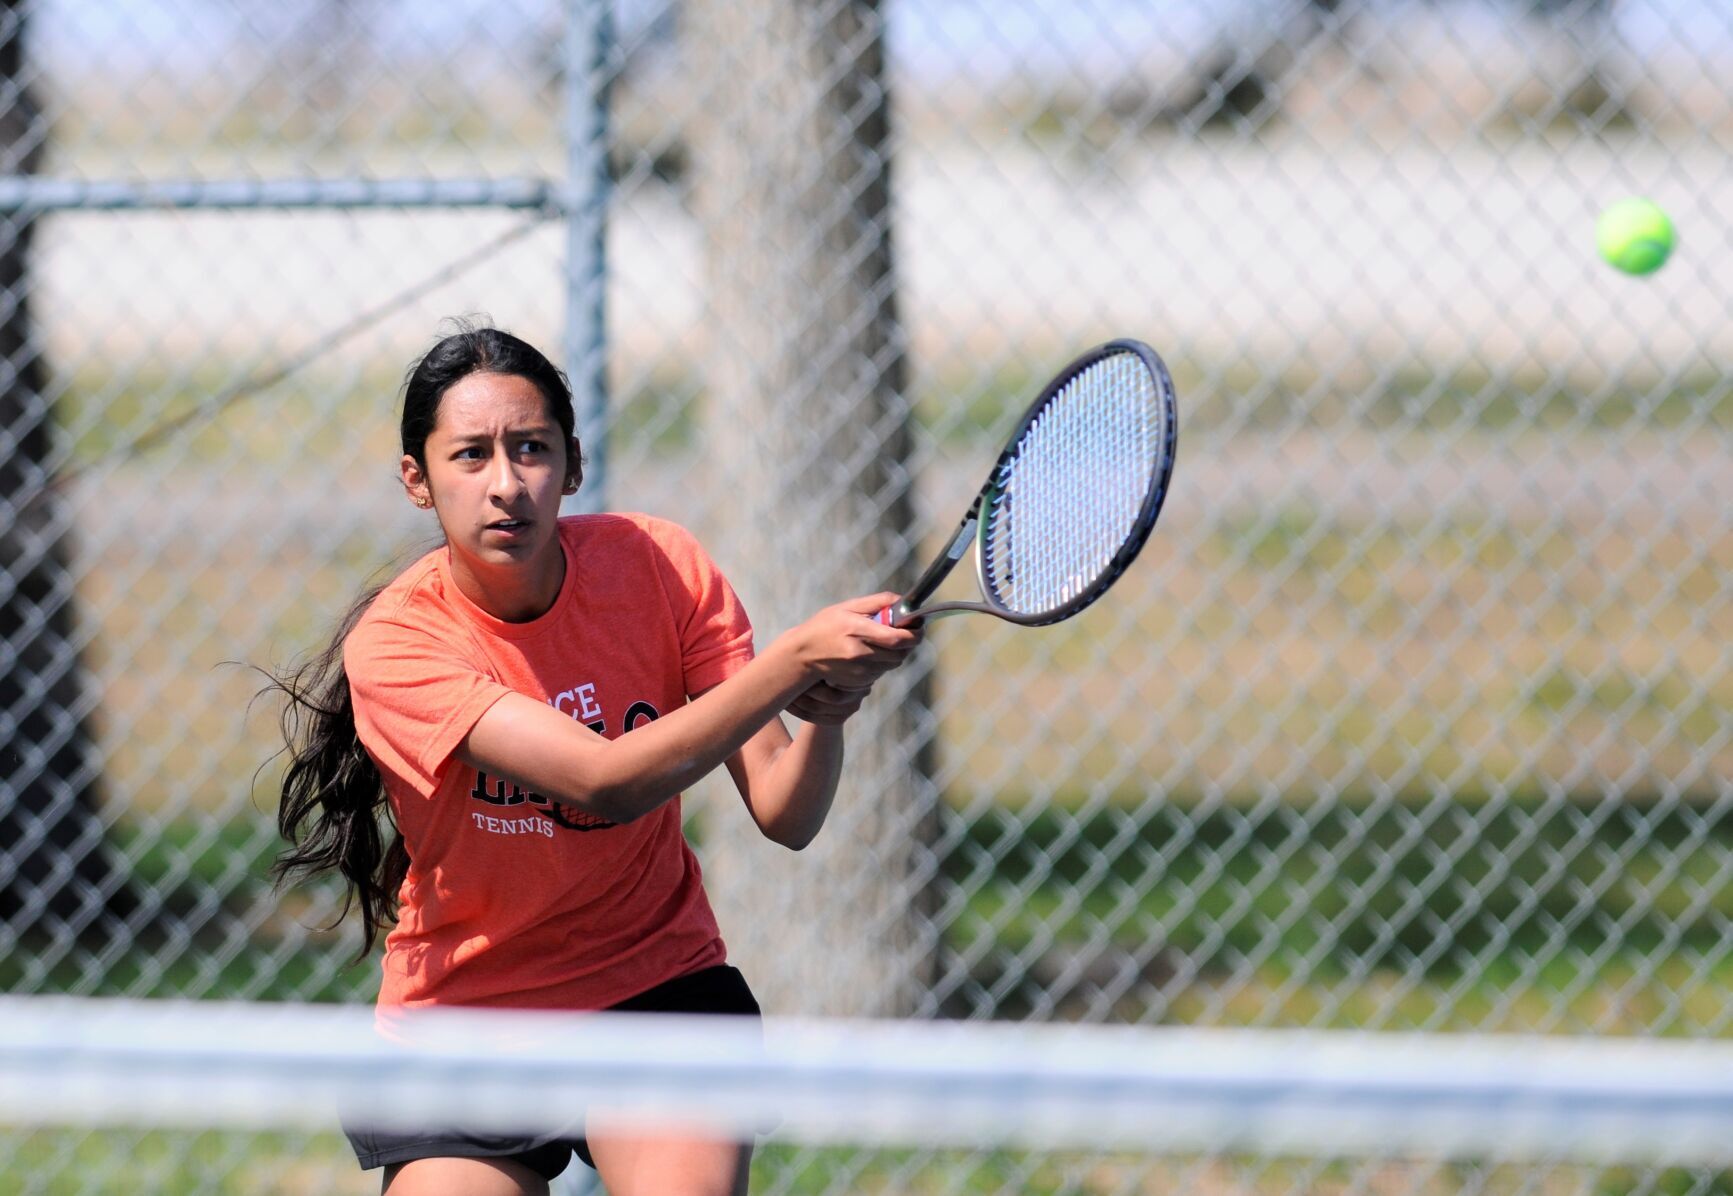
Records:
x=1071, y=494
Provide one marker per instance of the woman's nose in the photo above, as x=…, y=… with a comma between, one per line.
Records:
x=505, y=481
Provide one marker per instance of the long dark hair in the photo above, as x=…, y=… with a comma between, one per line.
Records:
x=333, y=813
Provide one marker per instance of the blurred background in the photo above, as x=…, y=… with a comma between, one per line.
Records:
x=1416, y=713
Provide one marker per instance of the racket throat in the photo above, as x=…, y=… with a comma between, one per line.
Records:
x=960, y=544
x=940, y=569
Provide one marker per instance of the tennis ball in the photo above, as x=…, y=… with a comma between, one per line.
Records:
x=1635, y=235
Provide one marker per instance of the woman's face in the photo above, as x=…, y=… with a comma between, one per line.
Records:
x=497, y=466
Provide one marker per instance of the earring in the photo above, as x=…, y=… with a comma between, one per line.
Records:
x=423, y=503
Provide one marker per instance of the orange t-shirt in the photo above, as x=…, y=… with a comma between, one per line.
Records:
x=512, y=899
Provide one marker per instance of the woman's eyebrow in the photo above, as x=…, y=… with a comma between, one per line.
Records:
x=475, y=437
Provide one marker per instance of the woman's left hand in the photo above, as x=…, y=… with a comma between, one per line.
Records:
x=828, y=705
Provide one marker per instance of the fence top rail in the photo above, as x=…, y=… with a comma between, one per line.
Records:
x=31, y=194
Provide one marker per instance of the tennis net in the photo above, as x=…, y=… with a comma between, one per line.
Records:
x=121, y=1063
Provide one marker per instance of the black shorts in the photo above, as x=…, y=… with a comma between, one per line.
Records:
x=720, y=989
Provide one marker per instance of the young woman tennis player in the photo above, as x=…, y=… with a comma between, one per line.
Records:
x=523, y=706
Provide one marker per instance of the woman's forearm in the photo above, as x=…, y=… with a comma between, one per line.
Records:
x=792, y=799
x=628, y=777
x=685, y=745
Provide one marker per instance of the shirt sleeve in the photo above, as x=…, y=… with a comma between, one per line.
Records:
x=715, y=634
x=415, y=699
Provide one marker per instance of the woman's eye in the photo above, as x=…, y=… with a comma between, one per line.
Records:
x=533, y=446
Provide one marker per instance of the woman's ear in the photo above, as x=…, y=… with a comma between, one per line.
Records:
x=414, y=482
x=574, y=471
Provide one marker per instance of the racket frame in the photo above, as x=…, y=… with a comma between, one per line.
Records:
x=974, y=524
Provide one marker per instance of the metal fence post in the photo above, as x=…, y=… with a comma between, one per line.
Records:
x=585, y=44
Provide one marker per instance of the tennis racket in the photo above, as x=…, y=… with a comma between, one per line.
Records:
x=1072, y=498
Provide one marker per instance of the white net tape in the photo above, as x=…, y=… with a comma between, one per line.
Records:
x=1307, y=1093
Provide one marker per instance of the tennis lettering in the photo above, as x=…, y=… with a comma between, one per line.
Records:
x=513, y=826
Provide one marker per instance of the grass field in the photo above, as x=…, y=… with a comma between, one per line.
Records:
x=73, y=1163
x=88, y=1163
x=1532, y=915
x=1298, y=653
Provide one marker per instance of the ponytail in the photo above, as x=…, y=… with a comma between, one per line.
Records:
x=333, y=813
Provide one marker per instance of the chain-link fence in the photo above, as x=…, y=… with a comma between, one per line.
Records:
x=1415, y=713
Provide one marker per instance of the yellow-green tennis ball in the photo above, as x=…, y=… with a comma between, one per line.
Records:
x=1635, y=235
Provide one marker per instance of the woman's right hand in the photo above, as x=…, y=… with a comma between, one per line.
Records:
x=847, y=647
